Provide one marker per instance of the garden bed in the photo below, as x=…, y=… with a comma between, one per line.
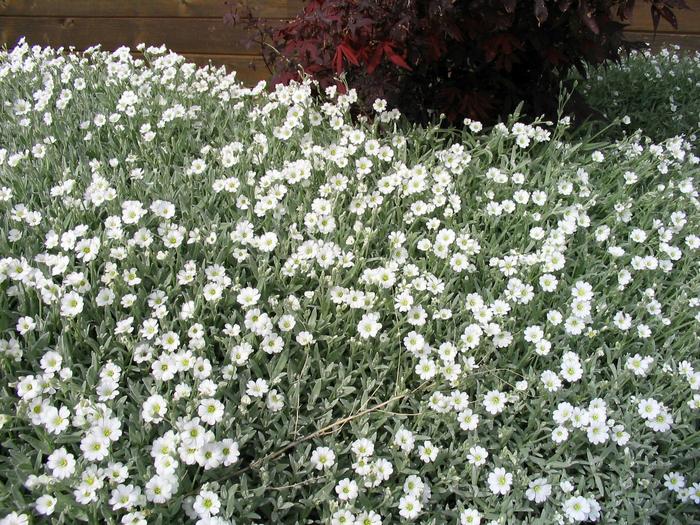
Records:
x=223, y=305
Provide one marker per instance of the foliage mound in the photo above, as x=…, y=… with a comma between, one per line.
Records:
x=465, y=58
x=654, y=92
x=221, y=305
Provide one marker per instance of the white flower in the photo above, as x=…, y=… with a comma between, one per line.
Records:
x=45, y=504
x=469, y=517
x=61, y=463
x=71, y=304
x=105, y=297
x=95, y=447
x=160, y=489
x=368, y=518
x=322, y=458
x=51, y=362
x=409, y=507
x=639, y=365
x=494, y=401
x=548, y=282
x=248, y=297
x=369, y=325
x=648, y=408
x=305, y=338
x=477, y=456
x=257, y=388
x=468, y=420
x=25, y=325
x=674, y=481
x=211, y=411
x=426, y=369
x=550, y=381
x=471, y=336
x=533, y=334
x=154, y=408
x=124, y=497
x=343, y=516
x=597, y=433
x=500, y=481
x=346, y=489
x=167, y=284
x=56, y=419
x=661, y=422
x=428, y=452
x=132, y=212
x=379, y=105
x=560, y=434
x=577, y=508
x=274, y=401
x=571, y=369
x=622, y=320
x=538, y=490
x=206, y=504
x=197, y=167
x=404, y=439
x=14, y=518
x=619, y=436
x=267, y=242
x=362, y=447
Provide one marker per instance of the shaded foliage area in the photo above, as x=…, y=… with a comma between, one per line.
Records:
x=461, y=58
x=654, y=92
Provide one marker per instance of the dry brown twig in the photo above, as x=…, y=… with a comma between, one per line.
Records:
x=328, y=429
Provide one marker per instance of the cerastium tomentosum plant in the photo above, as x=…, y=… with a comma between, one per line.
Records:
x=654, y=92
x=220, y=304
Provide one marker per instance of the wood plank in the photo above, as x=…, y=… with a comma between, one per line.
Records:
x=145, y=8
x=183, y=35
x=688, y=19
x=688, y=42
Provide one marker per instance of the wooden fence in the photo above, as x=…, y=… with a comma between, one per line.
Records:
x=195, y=28
x=688, y=33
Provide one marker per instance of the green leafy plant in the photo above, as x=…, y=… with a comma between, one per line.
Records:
x=223, y=305
x=654, y=92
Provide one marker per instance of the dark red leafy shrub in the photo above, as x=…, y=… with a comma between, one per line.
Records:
x=463, y=58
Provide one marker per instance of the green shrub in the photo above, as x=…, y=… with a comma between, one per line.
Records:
x=657, y=92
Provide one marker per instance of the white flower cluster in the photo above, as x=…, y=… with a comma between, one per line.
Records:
x=222, y=304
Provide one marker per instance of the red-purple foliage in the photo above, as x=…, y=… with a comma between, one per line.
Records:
x=475, y=58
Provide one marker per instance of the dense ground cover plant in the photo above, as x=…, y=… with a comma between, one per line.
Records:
x=223, y=305
x=470, y=58
x=654, y=92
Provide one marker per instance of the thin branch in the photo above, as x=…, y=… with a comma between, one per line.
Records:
x=328, y=429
